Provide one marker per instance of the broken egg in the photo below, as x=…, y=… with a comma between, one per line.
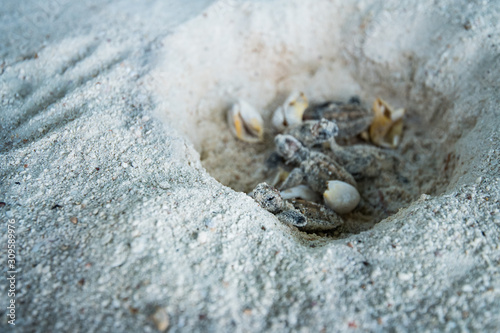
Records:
x=245, y=122
x=301, y=192
x=387, y=126
x=291, y=112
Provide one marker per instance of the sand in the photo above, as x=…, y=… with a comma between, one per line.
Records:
x=125, y=183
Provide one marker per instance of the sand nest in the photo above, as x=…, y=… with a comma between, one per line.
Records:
x=128, y=189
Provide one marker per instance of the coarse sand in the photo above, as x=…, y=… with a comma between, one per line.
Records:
x=127, y=190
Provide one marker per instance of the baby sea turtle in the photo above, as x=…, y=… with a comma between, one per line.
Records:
x=314, y=132
x=305, y=215
x=351, y=118
x=362, y=160
x=313, y=167
x=270, y=199
x=319, y=217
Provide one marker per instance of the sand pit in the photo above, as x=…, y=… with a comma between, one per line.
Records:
x=128, y=191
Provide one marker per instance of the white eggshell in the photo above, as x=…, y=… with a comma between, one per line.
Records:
x=250, y=116
x=245, y=122
x=301, y=192
x=294, y=108
x=290, y=113
x=278, y=119
x=341, y=197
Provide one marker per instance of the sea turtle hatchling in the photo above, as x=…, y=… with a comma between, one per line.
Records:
x=360, y=160
x=313, y=167
x=364, y=161
x=305, y=215
x=319, y=218
x=351, y=117
x=270, y=199
x=314, y=132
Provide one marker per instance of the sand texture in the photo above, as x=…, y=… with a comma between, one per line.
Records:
x=128, y=190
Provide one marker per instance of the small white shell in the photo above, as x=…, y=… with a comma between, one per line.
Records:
x=245, y=122
x=387, y=125
x=341, y=197
x=398, y=114
x=290, y=113
x=278, y=119
x=301, y=192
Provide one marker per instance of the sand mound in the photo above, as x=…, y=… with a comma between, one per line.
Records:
x=125, y=184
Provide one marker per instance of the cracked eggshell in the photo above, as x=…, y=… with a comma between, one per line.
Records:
x=294, y=107
x=341, y=197
x=291, y=112
x=301, y=192
x=387, y=126
x=278, y=120
x=245, y=122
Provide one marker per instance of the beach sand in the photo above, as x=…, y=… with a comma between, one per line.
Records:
x=127, y=190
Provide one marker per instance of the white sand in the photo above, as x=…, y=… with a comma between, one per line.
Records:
x=139, y=92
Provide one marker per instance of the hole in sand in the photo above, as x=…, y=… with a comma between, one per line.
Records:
x=213, y=62
x=423, y=165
